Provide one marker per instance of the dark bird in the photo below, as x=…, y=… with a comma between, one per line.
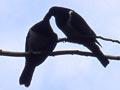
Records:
x=77, y=30
x=40, y=38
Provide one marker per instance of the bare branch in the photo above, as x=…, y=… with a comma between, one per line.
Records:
x=99, y=37
x=55, y=53
x=107, y=39
x=82, y=53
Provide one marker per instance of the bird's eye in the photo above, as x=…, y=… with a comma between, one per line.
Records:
x=70, y=12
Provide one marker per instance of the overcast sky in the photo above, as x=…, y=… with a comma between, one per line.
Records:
x=70, y=72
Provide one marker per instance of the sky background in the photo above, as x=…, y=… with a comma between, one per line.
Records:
x=70, y=72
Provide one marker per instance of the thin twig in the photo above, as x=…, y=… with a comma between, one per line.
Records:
x=98, y=37
x=55, y=53
x=107, y=39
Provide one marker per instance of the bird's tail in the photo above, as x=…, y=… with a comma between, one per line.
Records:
x=26, y=76
x=96, y=50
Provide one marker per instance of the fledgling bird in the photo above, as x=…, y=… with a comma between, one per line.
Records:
x=77, y=30
x=40, y=38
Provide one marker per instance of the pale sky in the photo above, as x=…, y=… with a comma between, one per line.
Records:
x=70, y=72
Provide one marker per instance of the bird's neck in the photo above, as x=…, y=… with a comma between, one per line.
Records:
x=47, y=17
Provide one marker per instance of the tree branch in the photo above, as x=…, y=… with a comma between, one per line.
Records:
x=107, y=39
x=55, y=53
x=65, y=52
x=99, y=37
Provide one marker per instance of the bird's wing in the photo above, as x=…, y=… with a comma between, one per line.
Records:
x=80, y=25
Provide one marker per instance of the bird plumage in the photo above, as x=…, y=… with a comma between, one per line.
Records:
x=77, y=30
x=40, y=38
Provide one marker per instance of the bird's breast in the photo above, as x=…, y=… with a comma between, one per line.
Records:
x=37, y=42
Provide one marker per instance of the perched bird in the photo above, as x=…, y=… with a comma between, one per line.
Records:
x=40, y=38
x=77, y=30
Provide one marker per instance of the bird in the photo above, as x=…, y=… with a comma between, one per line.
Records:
x=77, y=30
x=40, y=38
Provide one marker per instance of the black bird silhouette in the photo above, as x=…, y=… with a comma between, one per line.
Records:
x=40, y=38
x=77, y=30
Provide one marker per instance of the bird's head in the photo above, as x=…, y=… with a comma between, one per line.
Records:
x=56, y=12
x=49, y=14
